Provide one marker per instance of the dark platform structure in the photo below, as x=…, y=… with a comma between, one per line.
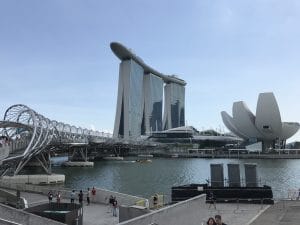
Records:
x=231, y=191
x=68, y=213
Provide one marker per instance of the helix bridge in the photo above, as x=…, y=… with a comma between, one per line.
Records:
x=26, y=135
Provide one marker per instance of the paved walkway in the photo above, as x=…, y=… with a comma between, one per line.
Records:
x=93, y=214
x=281, y=213
x=232, y=213
x=97, y=214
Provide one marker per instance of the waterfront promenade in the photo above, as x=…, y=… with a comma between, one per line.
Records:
x=285, y=212
x=98, y=214
x=93, y=214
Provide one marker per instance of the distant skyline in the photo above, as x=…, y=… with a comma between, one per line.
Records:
x=55, y=55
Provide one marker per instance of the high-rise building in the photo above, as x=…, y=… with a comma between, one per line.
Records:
x=140, y=97
x=153, y=104
x=174, y=106
x=130, y=100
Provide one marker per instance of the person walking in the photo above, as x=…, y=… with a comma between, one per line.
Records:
x=218, y=220
x=72, y=196
x=88, y=196
x=115, y=206
x=80, y=197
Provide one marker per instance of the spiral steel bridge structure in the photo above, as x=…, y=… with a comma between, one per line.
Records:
x=30, y=135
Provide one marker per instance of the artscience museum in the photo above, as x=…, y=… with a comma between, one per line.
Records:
x=265, y=128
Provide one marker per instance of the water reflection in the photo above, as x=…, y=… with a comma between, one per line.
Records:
x=145, y=179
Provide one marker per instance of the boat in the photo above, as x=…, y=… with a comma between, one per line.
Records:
x=146, y=155
x=113, y=157
x=144, y=160
x=174, y=156
x=233, y=192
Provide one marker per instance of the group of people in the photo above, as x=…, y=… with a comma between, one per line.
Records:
x=215, y=221
x=51, y=196
x=89, y=194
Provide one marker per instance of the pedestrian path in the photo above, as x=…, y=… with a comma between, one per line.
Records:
x=232, y=213
x=285, y=212
x=281, y=213
x=93, y=214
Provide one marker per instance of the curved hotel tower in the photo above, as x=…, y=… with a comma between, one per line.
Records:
x=140, y=97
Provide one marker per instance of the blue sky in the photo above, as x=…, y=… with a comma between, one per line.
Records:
x=55, y=55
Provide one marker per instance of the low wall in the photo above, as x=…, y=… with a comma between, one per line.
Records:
x=7, y=222
x=36, y=179
x=188, y=212
x=129, y=212
x=102, y=195
x=24, y=218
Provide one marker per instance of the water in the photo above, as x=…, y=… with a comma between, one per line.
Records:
x=145, y=179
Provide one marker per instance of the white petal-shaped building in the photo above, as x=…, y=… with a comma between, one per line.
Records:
x=266, y=126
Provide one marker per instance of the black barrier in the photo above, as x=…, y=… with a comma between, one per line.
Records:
x=67, y=213
x=224, y=194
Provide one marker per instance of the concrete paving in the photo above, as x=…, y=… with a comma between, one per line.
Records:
x=99, y=214
x=93, y=214
x=232, y=213
x=281, y=213
x=285, y=212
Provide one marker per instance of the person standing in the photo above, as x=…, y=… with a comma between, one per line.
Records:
x=218, y=220
x=111, y=201
x=212, y=200
x=58, y=197
x=115, y=206
x=50, y=196
x=155, y=201
x=72, y=196
x=93, y=194
x=88, y=196
x=80, y=197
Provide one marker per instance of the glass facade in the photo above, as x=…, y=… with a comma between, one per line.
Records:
x=135, y=99
x=140, y=103
x=130, y=100
x=174, y=112
x=153, y=98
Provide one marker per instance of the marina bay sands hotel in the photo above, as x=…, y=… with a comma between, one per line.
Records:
x=140, y=101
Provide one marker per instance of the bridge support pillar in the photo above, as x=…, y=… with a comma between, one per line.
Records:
x=78, y=157
x=41, y=160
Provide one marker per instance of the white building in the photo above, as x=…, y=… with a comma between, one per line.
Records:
x=265, y=127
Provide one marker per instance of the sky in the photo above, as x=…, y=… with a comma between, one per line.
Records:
x=55, y=55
